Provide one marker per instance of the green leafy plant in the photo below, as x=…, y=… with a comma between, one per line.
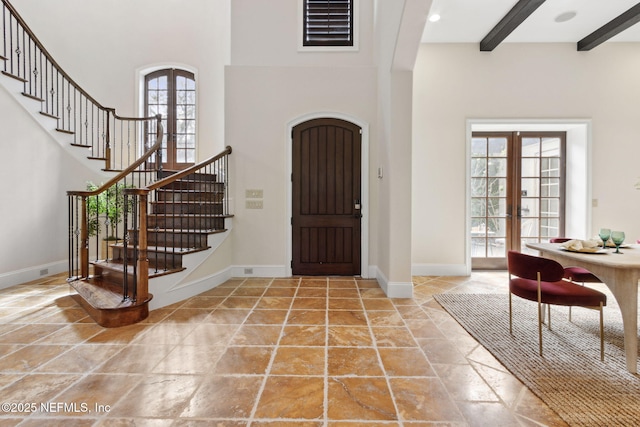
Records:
x=106, y=207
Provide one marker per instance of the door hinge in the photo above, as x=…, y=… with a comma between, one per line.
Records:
x=291, y=263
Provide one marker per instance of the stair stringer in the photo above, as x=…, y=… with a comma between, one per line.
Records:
x=171, y=288
x=15, y=88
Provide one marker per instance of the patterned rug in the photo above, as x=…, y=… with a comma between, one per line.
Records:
x=570, y=378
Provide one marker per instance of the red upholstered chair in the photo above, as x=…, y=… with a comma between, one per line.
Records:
x=541, y=279
x=576, y=274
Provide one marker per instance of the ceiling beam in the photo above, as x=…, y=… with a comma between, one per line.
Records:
x=510, y=22
x=610, y=29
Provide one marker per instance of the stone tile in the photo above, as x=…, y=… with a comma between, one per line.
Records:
x=424, y=399
x=347, y=317
x=256, y=335
x=360, y=399
x=304, y=335
x=353, y=361
x=161, y=396
x=393, y=337
x=292, y=397
x=352, y=336
x=299, y=361
x=224, y=397
x=405, y=362
x=82, y=358
x=267, y=317
x=190, y=359
x=29, y=358
x=307, y=317
x=244, y=360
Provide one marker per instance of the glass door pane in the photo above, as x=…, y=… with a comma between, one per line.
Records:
x=489, y=173
x=541, y=188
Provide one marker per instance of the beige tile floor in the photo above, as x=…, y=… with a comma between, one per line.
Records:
x=261, y=352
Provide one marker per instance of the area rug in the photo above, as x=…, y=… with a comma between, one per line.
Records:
x=570, y=378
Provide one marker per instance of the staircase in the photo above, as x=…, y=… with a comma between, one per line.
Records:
x=182, y=216
x=171, y=218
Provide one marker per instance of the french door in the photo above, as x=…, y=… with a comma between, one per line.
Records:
x=517, y=193
x=172, y=93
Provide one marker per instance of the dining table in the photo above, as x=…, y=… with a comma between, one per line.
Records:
x=620, y=272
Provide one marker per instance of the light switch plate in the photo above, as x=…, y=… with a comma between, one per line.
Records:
x=254, y=204
x=253, y=194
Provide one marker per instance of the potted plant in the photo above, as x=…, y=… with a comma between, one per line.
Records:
x=106, y=208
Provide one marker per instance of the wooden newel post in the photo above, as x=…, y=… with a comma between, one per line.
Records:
x=143, y=260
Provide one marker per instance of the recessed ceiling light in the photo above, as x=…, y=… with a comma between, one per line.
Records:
x=566, y=16
x=434, y=18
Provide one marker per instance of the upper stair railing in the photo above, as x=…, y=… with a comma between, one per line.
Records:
x=116, y=140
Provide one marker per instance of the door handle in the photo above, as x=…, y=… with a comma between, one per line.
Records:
x=356, y=207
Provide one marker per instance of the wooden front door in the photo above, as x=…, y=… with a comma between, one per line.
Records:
x=326, y=205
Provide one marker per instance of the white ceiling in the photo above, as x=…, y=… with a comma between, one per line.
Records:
x=469, y=21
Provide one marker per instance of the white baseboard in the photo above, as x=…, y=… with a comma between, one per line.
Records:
x=32, y=273
x=162, y=298
x=258, y=271
x=394, y=289
x=440, y=270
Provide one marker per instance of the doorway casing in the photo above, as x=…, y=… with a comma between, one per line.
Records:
x=578, y=179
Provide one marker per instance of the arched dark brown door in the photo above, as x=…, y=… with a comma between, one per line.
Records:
x=326, y=204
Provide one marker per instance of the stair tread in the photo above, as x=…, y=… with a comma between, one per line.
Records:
x=13, y=76
x=187, y=190
x=119, y=267
x=103, y=295
x=187, y=230
x=168, y=249
x=181, y=202
x=197, y=215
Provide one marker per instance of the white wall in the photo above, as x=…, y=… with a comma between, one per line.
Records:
x=457, y=82
x=34, y=226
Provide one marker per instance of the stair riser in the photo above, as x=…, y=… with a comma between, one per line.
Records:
x=185, y=222
x=178, y=196
x=178, y=240
x=196, y=185
x=111, y=276
x=157, y=260
x=190, y=177
x=187, y=208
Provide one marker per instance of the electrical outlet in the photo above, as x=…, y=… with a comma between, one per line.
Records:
x=253, y=194
x=254, y=204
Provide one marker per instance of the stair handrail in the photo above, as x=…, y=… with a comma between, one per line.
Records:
x=140, y=195
x=111, y=138
x=178, y=175
x=79, y=221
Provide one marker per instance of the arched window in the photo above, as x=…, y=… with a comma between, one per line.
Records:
x=172, y=93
